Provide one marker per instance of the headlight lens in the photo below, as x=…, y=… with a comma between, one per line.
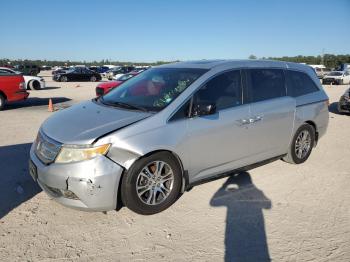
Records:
x=73, y=153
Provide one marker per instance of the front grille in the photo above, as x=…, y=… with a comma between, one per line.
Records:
x=46, y=149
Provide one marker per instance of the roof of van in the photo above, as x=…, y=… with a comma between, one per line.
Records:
x=209, y=64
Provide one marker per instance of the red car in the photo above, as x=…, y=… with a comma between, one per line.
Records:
x=105, y=87
x=12, y=88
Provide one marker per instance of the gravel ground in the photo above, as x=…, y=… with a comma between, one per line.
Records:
x=279, y=211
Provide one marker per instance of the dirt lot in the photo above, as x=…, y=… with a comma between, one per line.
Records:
x=278, y=211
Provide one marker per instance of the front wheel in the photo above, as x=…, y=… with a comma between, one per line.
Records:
x=152, y=184
x=301, y=145
x=93, y=79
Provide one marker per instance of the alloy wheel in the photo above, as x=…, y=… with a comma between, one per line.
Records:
x=303, y=144
x=155, y=182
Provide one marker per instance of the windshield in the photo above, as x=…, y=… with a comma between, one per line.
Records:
x=154, y=89
x=335, y=74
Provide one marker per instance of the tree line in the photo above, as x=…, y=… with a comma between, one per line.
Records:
x=329, y=60
x=52, y=63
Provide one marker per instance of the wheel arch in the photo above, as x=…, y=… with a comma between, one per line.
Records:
x=3, y=94
x=313, y=124
x=184, y=176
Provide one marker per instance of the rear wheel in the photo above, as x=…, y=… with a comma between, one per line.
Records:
x=63, y=79
x=2, y=102
x=152, y=184
x=301, y=146
x=93, y=79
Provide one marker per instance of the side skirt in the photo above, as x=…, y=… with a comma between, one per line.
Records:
x=189, y=186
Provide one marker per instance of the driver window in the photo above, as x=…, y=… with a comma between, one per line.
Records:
x=223, y=90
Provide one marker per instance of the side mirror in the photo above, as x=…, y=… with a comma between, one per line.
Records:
x=204, y=109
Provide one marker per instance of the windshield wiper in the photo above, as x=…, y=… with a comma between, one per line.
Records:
x=124, y=105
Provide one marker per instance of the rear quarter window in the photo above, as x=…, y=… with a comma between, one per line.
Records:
x=299, y=83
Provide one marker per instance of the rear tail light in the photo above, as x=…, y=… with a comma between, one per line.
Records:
x=327, y=102
x=22, y=86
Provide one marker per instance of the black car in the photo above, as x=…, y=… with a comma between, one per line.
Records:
x=77, y=74
x=344, y=102
x=62, y=70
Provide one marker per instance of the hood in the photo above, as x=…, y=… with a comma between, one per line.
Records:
x=85, y=122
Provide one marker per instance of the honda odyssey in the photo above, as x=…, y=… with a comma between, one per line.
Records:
x=175, y=126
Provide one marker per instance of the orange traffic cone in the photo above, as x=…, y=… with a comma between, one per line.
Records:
x=50, y=108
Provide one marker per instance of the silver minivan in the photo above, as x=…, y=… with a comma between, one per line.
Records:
x=175, y=126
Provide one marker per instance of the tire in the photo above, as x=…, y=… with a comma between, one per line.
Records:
x=2, y=102
x=137, y=180
x=297, y=158
x=34, y=85
x=93, y=79
x=63, y=79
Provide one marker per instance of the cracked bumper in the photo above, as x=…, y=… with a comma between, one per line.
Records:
x=94, y=182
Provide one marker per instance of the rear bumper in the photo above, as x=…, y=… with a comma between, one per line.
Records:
x=94, y=182
x=18, y=96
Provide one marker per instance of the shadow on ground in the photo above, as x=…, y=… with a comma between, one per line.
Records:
x=245, y=236
x=35, y=101
x=47, y=88
x=16, y=186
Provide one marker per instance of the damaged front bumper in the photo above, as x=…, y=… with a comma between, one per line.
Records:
x=90, y=185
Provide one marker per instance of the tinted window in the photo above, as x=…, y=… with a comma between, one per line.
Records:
x=299, y=84
x=265, y=84
x=3, y=72
x=223, y=90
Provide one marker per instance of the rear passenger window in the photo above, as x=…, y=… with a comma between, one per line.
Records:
x=223, y=90
x=265, y=84
x=299, y=84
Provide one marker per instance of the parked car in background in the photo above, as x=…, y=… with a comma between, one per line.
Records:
x=105, y=87
x=337, y=78
x=99, y=69
x=118, y=71
x=60, y=70
x=77, y=74
x=344, y=102
x=322, y=72
x=27, y=69
x=12, y=88
x=45, y=68
x=31, y=82
x=176, y=126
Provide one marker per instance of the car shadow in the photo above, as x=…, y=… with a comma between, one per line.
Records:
x=16, y=186
x=245, y=236
x=35, y=101
x=48, y=88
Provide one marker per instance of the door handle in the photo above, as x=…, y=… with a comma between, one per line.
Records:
x=243, y=122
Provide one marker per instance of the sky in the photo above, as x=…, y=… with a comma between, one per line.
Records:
x=156, y=30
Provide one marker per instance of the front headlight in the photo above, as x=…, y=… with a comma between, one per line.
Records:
x=75, y=153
